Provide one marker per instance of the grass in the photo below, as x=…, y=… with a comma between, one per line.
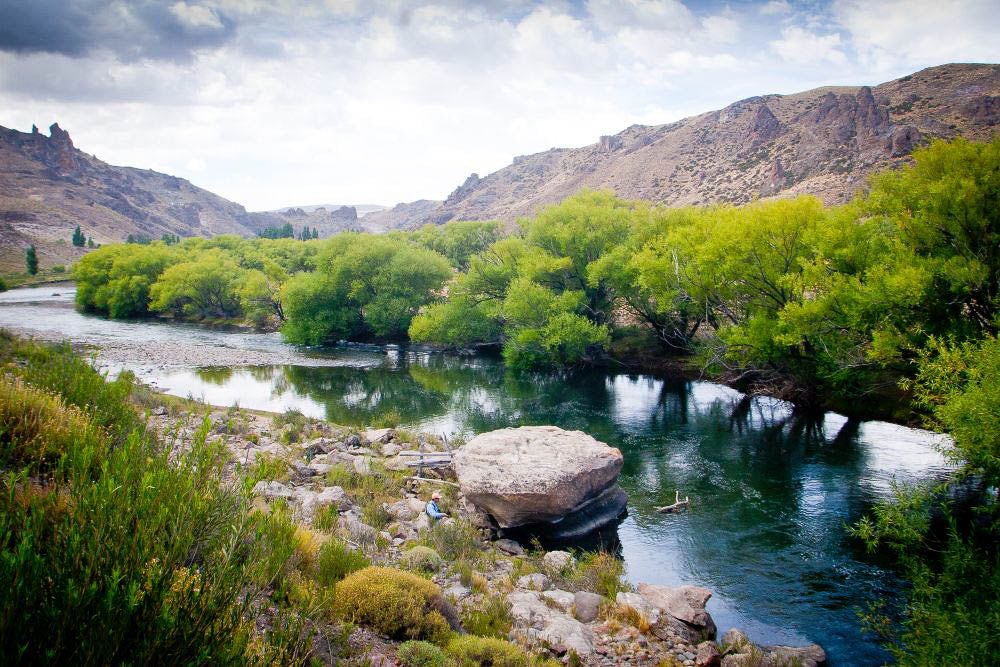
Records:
x=489, y=617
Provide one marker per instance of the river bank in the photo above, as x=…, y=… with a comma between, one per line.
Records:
x=352, y=484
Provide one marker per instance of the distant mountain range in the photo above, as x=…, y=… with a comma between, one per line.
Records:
x=823, y=142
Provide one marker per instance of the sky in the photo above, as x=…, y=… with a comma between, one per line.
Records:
x=274, y=103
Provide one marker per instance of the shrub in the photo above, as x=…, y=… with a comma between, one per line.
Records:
x=421, y=654
x=37, y=428
x=600, y=572
x=472, y=651
x=326, y=519
x=59, y=268
x=455, y=540
x=264, y=468
x=396, y=603
x=422, y=558
x=336, y=560
x=490, y=617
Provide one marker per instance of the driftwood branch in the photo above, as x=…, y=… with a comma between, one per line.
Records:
x=678, y=504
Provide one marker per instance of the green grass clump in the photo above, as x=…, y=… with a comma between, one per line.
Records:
x=489, y=617
x=327, y=518
x=472, y=651
x=455, y=540
x=265, y=468
x=396, y=603
x=423, y=559
x=336, y=560
x=421, y=654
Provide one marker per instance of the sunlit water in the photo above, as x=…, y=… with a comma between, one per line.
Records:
x=771, y=491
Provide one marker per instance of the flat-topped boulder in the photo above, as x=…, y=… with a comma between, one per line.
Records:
x=535, y=475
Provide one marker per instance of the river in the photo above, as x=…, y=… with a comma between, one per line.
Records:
x=771, y=490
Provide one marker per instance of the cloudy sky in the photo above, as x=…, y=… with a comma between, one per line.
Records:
x=273, y=103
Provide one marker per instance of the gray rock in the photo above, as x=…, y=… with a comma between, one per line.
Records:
x=356, y=529
x=570, y=633
x=391, y=449
x=375, y=436
x=302, y=470
x=534, y=582
x=333, y=495
x=806, y=656
x=353, y=440
x=362, y=465
x=510, y=547
x=735, y=639
x=708, y=655
x=529, y=612
x=587, y=606
x=404, y=510
x=272, y=489
x=562, y=598
x=320, y=468
x=535, y=474
x=558, y=561
x=685, y=605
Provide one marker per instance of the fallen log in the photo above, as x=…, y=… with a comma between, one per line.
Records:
x=678, y=504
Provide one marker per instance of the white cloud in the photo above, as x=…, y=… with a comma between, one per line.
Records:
x=775, y=7
x=195, y=16
x=801, y=46
x=394, y=101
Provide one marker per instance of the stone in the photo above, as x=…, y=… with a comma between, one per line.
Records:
x=353, y=440
x=391, y=449
x=405, y=510
x=587, y=606
x=708, y=655
x=362, y=465
x=378, y=435
x=562, y=598
x=558, y=561
x=542, y=475
x=333, y=495
x=805, y=656
x=685, y=604
x=357, y=529
x=272, y=490
x=529, y=612
x=320, y=468
x=534, y=582
x=649, y=613
x=509, y=547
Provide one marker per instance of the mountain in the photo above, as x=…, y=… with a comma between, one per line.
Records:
x=823, y=142
x=361, y=209
x=48, y=187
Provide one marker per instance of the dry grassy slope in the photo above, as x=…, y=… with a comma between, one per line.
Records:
x=48, y=187
x=823, y=142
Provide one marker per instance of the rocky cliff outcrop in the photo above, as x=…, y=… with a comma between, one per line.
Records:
x=823, y=142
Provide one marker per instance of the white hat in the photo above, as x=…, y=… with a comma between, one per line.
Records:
x=436, y=495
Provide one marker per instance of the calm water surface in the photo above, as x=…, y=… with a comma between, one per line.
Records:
x=770, y=490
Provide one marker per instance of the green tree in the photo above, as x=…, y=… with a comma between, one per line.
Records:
x=31, y=260
x=204, y=286
x=78, y=238
x=90, y=242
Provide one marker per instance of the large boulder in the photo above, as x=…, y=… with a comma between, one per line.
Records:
x=542, y=475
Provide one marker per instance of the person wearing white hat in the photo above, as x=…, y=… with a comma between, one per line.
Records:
x=432, y=509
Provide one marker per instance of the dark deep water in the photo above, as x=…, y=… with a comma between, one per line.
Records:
x=770, y=490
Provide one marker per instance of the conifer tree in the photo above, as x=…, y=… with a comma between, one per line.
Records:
x=78, y=238
x=31, y=260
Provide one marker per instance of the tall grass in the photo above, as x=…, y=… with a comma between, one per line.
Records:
x=113, y=549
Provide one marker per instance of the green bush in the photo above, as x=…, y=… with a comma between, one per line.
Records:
x=421, y=654
x=454, y=540
x=472, y=651
x=37, y=428
x=422, y=558
x=336, y=560
x=396, y=603
x=150, y=539
x=59, y=268
x=327, y=518
x=489, y=617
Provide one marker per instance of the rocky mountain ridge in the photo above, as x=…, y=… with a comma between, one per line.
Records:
x=824, y=142
x=48, y=187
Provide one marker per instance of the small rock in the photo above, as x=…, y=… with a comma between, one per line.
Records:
x=562, y=598
x=272, y=489
x=806, y=656
x=391, y=449
x=735, y=639
x=510, y=547
x=558, y=561
x=357, y=529
x=362, y=465
x=377, y=435
x=353, y=440
x=708, y=655
x=587, y=605
x=534, y=582
x=159, y=411
x=333, y=495
x=320, y=468
x=302, y=470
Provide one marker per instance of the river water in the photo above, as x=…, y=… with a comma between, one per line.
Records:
x=771, y=490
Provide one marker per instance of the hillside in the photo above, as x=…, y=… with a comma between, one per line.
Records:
x=823, y=142
x=48, y=187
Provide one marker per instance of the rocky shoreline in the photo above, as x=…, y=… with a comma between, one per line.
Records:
x=329, y=476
